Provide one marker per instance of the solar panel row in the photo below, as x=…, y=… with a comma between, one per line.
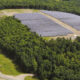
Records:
x=29, y=16
x=70, y=19
x=42, y=25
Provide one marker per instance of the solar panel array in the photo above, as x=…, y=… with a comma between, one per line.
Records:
x=70, y=19
x=29, y=16
x=42, y=25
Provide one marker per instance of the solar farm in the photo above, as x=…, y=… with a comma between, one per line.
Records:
x=68, y=18
x=42, y=25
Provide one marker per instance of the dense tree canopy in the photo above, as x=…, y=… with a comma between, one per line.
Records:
x=49, y=60
x=52, y=60
x=72, y=6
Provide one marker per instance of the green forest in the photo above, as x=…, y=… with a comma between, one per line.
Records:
x=49, y=60
x=72, y=6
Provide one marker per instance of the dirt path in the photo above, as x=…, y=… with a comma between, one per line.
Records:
x=9, y=14
x=20, y=77
x=75, y=32
x=2, y=79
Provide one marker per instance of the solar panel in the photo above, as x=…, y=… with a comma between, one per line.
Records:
x=68, y=18
x=42, y=25
x=29, y=16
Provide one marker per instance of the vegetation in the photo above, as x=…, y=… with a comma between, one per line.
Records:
x=7, y=66
x=31, y=78
x=72, y=6
x=67, y=60
x=21, y=45
x=50, y=60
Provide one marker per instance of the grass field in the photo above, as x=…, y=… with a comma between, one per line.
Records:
x=31, y=78
x=11, y=12
x=7, y=66
x=20, y=10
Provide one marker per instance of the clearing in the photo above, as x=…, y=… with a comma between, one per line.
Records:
x=10, y=71
x=11, y=12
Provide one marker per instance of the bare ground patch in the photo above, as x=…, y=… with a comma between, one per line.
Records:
x=9, y=77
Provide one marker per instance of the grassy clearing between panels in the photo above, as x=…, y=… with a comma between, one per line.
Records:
x=31, y=78
x=7, y=66
x=47, y=38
